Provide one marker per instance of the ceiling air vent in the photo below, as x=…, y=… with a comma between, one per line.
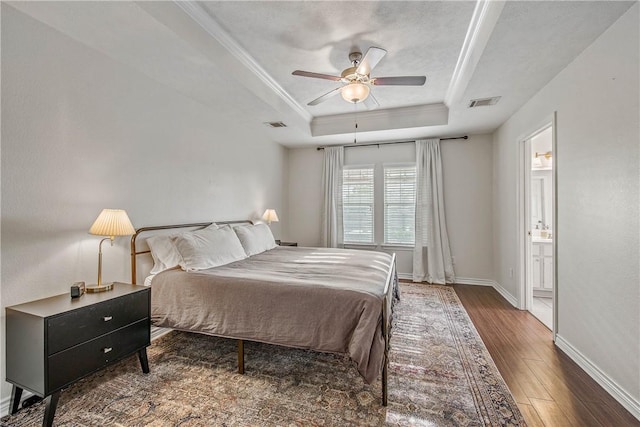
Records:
x=275, y=124
x=483, y=102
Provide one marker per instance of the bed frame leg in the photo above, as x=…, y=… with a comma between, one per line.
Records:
x=385, y=389
x=385, y=366
x=240, y=357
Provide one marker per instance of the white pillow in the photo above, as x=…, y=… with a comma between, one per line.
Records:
x=208, y=248
x=164, y=252
x=255, y=239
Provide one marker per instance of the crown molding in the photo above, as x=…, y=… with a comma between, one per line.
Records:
x=392, y=118
x=199, y=15
x=484, y=19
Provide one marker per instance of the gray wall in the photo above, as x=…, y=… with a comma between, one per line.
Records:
x=467, y=175
x=598, y=233
x=81, y=132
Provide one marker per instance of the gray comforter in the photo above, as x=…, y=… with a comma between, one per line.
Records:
x=322, y=299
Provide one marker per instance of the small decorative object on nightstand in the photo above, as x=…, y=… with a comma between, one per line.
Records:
x=53, y=342
x=110, y=223
x=281, y=243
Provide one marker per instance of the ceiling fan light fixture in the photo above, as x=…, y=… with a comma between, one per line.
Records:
x=355, y=92
x=357, y=79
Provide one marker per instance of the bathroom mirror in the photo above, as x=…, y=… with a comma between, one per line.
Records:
x=537, y=202
x=541, y=200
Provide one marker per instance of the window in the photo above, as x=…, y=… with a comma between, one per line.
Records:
x=357, y=204
x=399, y=205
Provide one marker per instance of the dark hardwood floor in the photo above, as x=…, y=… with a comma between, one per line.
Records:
x=550, y=389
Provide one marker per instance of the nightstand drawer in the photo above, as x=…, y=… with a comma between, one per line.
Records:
x=67, y=366
x=53, y=342
x=78, y=326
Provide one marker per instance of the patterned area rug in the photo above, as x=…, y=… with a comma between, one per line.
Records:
x=440, y=375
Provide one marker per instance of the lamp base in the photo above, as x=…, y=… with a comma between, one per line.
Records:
x=92, y=289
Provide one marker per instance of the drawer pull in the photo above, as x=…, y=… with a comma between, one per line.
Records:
x=107, y=349
x=107, y=318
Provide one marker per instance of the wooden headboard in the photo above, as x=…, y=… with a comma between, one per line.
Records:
x=139, y=231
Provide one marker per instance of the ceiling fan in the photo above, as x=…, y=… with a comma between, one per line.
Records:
x=357, y=79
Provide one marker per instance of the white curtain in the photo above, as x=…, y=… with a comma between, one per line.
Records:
x=332, y=231
x=431, y=255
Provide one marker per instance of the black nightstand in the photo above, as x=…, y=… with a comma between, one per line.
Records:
x=281, y=243
x=53, y=342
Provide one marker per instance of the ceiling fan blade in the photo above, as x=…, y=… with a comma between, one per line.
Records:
x=370, y=102
x=399, y=81
x=325, y=96
x=370, y=60
x=316, y=75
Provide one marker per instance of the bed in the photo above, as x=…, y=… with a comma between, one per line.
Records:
x=322, y=299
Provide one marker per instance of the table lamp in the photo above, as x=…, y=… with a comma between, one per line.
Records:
x=110, y=223
x=270, y=216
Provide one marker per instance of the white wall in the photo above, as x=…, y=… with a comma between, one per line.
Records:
x=81, y=132
x=596, y=99
x=467, y=169
x=305, y=196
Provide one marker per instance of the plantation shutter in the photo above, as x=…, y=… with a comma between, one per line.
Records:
x=357, y=205
x=399, y=205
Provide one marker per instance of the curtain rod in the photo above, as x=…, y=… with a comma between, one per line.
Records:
x=389, y=143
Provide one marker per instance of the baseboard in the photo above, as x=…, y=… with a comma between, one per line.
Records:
x=488, y=282
x=157, y=332
x=506, y=295
x=474, y=281
x=459, y=280
x=4, y=403
x=405, y=276
x=618, y=393
x=543, y=293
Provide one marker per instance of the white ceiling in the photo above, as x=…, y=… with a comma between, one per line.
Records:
x=240, y=55
x=318, y=36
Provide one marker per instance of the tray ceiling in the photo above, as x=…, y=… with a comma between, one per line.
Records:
x=240, y=55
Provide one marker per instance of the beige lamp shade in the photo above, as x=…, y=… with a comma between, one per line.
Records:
x=355, y=92
x=270, y=216
x=112, y=222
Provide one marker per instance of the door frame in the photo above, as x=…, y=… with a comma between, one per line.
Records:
x=525, y=297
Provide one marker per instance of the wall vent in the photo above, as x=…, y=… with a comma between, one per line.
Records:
x=483, y=102
x=275, y=124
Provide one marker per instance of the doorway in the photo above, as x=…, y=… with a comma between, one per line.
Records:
x=538, y=221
